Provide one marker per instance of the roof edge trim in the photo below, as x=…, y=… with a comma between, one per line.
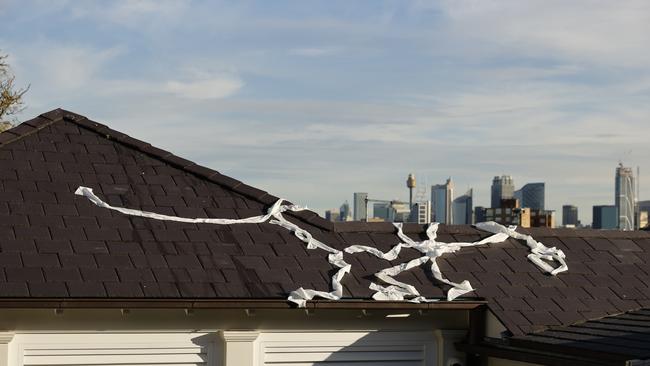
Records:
x=129, y=303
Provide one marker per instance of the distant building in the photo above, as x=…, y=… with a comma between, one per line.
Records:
x=462, y=209
x=644, y=205
x=644, y=213
x=422, y=212
x=333, y=215
x=542, y=218
x=643, y=219
x=532, y=195
x=382, y=211
x=570, y=215
x=375, y=219
x=360, y=206
x=625, y=198
x=344, y=212
x=503, y=187
x=479, y=214
x=441, y=196
x=401, y=212
x=604, y=217
x=509, y=216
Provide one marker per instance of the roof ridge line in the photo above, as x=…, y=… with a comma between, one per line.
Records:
x=191, y=167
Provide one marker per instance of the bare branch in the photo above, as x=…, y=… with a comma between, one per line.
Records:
x=11, y=98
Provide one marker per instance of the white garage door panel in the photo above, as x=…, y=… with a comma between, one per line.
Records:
x=118, y=358
x=119, y=349
x=348, y=348
x=347, y=355
x=370, y=363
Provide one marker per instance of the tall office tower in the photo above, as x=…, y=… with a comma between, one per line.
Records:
x=462, y=209
x=441, y=196
x=531, y=195
x=360, y=206
x=604, y=217
x=503, y=187
x=569, y=215
x=332, y=215
x=344, y=212
x=625, y=197
x=479, y=214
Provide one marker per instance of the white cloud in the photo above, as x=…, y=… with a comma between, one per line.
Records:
x=212, y=88
x=610, y=33
x=315, y=51
x=131, y=13
x=64, y=66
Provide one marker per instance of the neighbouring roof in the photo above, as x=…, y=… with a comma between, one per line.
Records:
x=619, y=337
x=57, y=245
x=622, y=339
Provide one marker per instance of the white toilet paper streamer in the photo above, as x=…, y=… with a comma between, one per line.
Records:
x=396, y=290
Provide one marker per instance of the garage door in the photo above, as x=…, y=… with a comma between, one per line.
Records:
x=167, y=349
x=377, y=348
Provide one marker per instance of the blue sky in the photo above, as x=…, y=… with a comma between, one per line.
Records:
x=313, y=100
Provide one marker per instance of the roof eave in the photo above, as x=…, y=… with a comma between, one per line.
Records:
x=551, y=357
x=97, y=303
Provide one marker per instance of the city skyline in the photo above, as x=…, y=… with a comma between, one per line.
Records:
x=585, y=215
x=352, y=96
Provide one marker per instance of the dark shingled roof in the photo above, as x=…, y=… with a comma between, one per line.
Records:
x=613, y=340
x=54, y=244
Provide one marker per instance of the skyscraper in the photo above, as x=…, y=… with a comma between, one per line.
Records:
x=462, y=209
x=604, y=217
x=625, y=197
x=441, y=208
x=479, y=214
x=569, y=215
x=531, y=195
x=360, y=206
x=503, y=187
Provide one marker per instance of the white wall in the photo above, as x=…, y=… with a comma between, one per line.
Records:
x=235, y=337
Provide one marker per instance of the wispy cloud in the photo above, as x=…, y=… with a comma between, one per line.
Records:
x=212, y=88
x=65, y=66
x=315, y=51
x=131, y=13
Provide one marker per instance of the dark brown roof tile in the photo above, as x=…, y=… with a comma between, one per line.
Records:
x=21, y=246
x=86, y=289
x=24, y=275
x=13, y=289
x=48, y=289
x=124, y=289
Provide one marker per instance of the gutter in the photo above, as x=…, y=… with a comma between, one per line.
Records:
x=96, y=303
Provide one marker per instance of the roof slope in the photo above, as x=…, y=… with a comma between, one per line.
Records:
x=54, y=244
x=614, y=339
